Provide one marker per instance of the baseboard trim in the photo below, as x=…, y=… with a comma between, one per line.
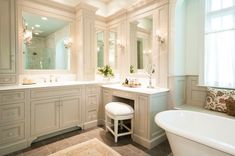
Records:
x=91, y=124
x=13, y=147
x=149, y=143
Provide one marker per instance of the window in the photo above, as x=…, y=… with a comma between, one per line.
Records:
x=220, y=43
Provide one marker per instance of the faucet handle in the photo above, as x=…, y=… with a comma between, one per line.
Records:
x=51, y=78
x=44, y=79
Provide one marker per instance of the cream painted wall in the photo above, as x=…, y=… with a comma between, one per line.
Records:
x=180, y=39
x=187, y=32
x=192, y=37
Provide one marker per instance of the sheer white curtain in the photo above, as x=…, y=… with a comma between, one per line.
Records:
x=220, y=43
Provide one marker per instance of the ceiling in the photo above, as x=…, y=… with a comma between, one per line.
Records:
x=104, y=7
x=47, y=27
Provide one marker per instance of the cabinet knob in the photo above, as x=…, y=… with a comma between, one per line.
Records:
x=10, y=134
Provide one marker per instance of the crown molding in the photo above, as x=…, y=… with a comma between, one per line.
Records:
x=85, y=6
x=50, y=3
x=116, y=15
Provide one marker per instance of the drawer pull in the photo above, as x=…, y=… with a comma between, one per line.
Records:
x=10, y=114
x=10, y=134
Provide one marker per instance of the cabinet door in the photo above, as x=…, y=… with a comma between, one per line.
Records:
x=92, y=102
x=44, y=116
x=141, y=116
x=107, y=97
x=70, y=112
x=7, y=37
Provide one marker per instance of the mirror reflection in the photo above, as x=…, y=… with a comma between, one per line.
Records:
x=142, y=41
x=46, y=42
x=100, y=49
x=112, y=49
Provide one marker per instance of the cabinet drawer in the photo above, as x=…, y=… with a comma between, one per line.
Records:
x=91, y=115
x=12, y=133
x=55, y=91
x=7, y=79
x=7, y=97
x=11, y=112
x=92, y=101
x=123, y=94
x=92, y=90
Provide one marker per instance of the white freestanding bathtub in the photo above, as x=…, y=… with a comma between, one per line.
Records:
x=198, y=134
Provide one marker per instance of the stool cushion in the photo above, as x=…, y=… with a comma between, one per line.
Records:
x=119, y=108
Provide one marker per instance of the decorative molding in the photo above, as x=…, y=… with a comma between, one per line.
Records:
x=7, y=79
x=118, y=15
x=85, y=6
x=195, y=94
x=50, y=4
x=185, y=90
x=44, y=9
x=177, y=86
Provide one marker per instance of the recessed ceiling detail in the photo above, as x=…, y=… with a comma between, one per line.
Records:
x=105, y=7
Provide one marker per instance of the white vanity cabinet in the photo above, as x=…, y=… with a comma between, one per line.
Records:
x=13, y=120
x=70, y=111
x=92, y=101
x=7, y=42
x=44, y=116
x=141, y=116
x=146, y=132
x=54, y=109
x=147, y=103
x=106, y=98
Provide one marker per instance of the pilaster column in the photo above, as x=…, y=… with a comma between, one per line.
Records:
x=85, y=41
x=133, y=44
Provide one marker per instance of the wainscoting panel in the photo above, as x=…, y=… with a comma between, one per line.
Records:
x=177, y=85
x=195, y=94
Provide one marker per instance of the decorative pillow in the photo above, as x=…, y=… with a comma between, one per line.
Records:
x=215, y=99
x=230, y=104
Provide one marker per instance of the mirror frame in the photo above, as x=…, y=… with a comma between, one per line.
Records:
x=113, y=28
x=139, y=72
x=47, y=13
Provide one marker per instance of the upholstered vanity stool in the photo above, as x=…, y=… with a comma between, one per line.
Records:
x=118, y=111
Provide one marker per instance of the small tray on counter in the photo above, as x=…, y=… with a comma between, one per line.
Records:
x=131, y=85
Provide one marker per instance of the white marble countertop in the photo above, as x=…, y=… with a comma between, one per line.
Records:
x=142, y=89
x=55, y=84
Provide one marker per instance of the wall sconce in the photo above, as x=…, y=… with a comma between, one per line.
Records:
x=68, y=43
x=28, y=35
x=147, y=52
x=159, y=37
x=120, y=45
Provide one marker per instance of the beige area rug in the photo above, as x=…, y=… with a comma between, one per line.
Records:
x=92, y=147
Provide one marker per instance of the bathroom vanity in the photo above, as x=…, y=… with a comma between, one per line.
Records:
x=29, y=112
x=146, y=103
x=33, y=112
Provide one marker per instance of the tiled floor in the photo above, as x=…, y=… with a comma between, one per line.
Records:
x=125, y=146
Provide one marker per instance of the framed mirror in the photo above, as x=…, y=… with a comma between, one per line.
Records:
x=141, y=43
x=46, y=42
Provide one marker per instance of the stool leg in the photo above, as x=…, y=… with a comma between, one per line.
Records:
x=116, y=130
x=106, y=122
x=132, y=127
x=121, y=123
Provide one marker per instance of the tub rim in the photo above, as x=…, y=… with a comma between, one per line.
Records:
x=210, y=142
